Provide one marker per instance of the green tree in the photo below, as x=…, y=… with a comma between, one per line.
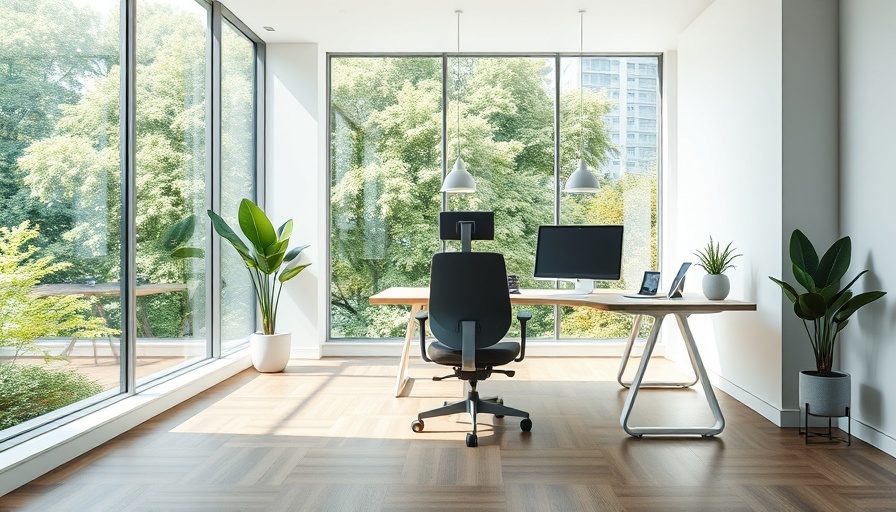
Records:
x=25, y=317
x=49, y=51
x=79, y=164
x=28, y=391
x=387, y=170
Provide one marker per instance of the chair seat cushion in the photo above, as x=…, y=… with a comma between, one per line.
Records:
x=496, y=355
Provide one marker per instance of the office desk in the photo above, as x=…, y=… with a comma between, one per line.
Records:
x=612, y=301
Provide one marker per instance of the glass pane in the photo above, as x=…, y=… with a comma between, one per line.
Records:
x=385, y=175
x=615, y=127
x=506, y=127
x=60, y=225
x=172, y=45
x=237, y=179
x=500, y=120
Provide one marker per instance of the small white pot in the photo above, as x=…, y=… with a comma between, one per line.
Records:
x=716, y=286
x=270, y=352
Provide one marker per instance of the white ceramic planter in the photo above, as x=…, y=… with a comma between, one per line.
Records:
x=270, y=352
x=826, y=396
x=716, y=286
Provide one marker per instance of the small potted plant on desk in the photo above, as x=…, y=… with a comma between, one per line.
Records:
x=825, y=309
x=267, y=260
x=716, y=261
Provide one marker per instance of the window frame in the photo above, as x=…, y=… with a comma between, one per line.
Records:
x=127, y=165
x=557, y=57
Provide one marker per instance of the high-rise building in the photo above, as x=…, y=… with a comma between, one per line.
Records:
x=632, y=86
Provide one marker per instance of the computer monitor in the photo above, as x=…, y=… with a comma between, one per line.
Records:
x=579, y=253
x=475, y=225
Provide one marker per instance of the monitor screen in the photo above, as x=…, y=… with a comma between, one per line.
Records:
x=579, y=252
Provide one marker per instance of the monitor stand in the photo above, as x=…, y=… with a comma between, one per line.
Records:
x=584, y=285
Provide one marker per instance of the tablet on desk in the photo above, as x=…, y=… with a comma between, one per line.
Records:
x=678, y=283
x=649, y=286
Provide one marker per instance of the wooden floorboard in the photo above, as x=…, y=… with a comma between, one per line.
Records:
x=329, y=435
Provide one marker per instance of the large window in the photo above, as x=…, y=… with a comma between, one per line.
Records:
x=60, y=215
x=238, y=172
x=387, y=163
x=172, y=156
x=386, y=170
x=628, y=184
x=65, y=244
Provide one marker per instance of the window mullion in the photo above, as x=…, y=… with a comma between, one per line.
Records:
x=128, y=152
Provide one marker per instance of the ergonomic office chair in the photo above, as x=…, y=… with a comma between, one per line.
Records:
x=469, y=314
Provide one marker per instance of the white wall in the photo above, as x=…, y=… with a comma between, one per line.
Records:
x=758, y=153
x=810, y=157
x=295, y=186
x=868, y=72
x=729, y=186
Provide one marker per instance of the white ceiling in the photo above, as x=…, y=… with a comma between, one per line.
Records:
x=486, y=25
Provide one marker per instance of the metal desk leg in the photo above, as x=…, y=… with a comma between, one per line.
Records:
x=403, y=378
x=636, y=326
x=719, y=424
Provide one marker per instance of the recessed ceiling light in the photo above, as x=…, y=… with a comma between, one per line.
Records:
x=269, y=29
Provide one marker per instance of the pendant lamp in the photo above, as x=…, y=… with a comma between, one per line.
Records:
x=582, y=180
x=459, y=180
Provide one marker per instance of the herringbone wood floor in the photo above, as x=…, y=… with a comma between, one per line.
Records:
x=328, y=435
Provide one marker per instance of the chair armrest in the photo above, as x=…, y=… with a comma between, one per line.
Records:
x=523, y=317
x=422, y=317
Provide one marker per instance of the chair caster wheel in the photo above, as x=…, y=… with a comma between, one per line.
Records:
x=526, y=425
x=417, y=426
x=472, y=441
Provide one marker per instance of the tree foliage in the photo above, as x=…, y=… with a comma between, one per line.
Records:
x=49, y=51
x=25, y=317
x=77, y=163
x=28, y=391
x=386, y=116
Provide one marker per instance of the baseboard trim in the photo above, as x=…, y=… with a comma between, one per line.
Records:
x=780, y=417
x=304, y=353
x=870, y=435
x=792, y=417
x=536, y=348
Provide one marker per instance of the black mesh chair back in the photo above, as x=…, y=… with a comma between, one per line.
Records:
x=469, y=286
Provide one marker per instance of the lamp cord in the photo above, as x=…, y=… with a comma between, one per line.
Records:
x=457, y=83
x=582, y=82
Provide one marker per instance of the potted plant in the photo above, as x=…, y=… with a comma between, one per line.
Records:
x=716, y=261
x=267, y=260
x=825, y=309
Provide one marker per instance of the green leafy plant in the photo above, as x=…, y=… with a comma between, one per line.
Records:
x=715, y=260
x=179, y=233
x=265, y=256
x=28, y=391
x=25, y=316
x=823, y=303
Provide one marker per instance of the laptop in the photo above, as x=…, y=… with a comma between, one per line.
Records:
x=649, y=286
